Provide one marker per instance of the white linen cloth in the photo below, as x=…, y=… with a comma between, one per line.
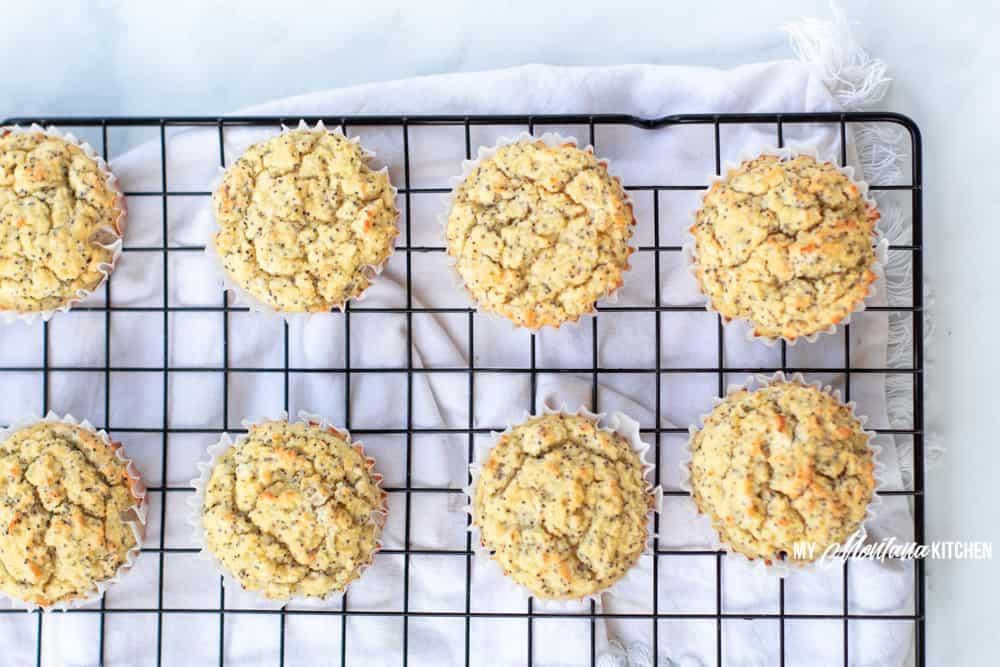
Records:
x=675, y=155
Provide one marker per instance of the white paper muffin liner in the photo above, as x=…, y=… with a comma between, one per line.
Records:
x=787, y=153
x=616, y=422
x=113, y=235
x=783, y=568
x=550, y=139
x=245, y=298
x=136, y=514
x=196, y=504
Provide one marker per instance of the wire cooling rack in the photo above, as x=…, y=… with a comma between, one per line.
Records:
x=102, y=131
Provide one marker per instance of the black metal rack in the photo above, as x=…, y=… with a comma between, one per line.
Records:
x=588, y=123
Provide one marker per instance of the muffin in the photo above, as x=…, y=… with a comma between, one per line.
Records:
x=70, y=513
x=304, y=222
x=293, y=510
x=540, y=232
x=785, y=244
x=60, y=215
x=781, y=465
x=562, y=506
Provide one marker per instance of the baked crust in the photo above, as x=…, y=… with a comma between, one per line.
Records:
x=563, y=506
x=65, y=497
x=786, y=245
x=291, y=510
x=303, y=220
x=56, y=211
x=540, y=233
x=783, y=464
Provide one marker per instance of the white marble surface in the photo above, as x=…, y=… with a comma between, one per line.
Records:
x=186, y=57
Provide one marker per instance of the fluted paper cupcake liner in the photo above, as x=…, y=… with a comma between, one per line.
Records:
x=616, y=422
x=136, y=520
x=196, y=505
x=786, y=153
x=112, y=236
x=782, y=568
x=550, y=139
x=245, y=298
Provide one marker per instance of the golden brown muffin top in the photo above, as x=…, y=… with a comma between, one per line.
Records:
x=540, y=233
x=292, y=510
x=303, y=220
x=65, y=500
x=563, y=506
x=57, y=212
x=786, y=245
x=783, y=464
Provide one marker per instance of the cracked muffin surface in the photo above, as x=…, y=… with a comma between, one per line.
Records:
x=563, y=506
x=291, y=510
x=64, y=500
x=786, y=245
x=303, y=220
x=540, y=233
x=783, y=464
x=57, y=212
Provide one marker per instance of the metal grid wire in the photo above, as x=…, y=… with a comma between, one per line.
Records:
x=770, y=122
